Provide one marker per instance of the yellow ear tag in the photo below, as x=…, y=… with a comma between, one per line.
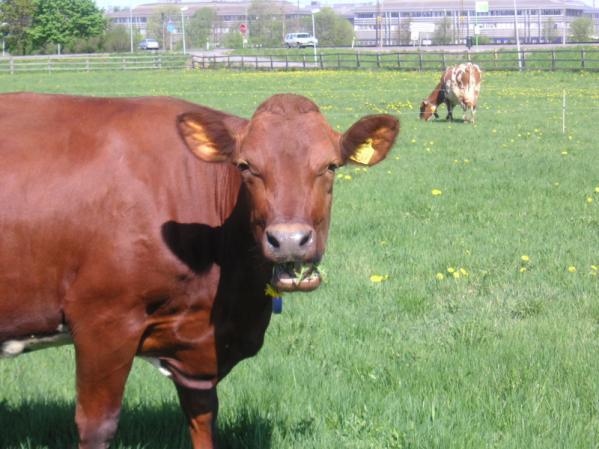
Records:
x=363, y=153
x=271, y=291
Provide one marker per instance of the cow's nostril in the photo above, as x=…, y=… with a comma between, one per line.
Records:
x=306, y=238
x=272, y=241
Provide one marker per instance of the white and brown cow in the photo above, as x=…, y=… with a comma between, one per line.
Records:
x=458, y=85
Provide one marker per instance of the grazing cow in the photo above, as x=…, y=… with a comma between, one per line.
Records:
x=458, y=85
x=123, y=234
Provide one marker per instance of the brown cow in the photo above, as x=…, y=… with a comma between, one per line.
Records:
x=119, y=235
x=458, y=85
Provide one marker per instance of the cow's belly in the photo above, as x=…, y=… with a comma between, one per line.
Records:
x=18, y=346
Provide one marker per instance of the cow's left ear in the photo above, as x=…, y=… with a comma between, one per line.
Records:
x=369, y=140
x=210, y=134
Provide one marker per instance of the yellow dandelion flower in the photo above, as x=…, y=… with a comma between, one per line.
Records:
x=464, y=272
x=594, y=267
x=378, y=277
x=572, y=269
x=597, y=189
x=347, y=177
x=413, y=140
x=522, y=269
x=436, y=192
x=456, y=275
x=451, y=270
x=589, y=199
x=564, y=153
x=524, y=258
x=439, y=276
x=493, y=130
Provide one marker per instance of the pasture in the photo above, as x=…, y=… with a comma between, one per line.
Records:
x=461, y=303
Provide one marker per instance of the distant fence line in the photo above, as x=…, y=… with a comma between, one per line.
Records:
x=415, y=60
x=420, y=60
x=88, y=63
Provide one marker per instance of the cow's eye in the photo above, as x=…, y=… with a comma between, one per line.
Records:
x=332, y=167
x=243, y=166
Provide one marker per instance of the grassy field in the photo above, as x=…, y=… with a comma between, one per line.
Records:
x=461, y=308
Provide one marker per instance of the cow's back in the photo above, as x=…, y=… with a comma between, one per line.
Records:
x=87, y=187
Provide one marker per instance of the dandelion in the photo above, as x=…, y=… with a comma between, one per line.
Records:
x=571, y=269
x=347, y=177
x=451, y=270
x=494, y=131
x=589, y=199
x=436, y=192
x=413, y=140
x=439, y=276
x=522, y=269
x=597, y=189
x=524, y=258
x=456, y=275
x=564, y=153
x=378, y=277
x=464, y=272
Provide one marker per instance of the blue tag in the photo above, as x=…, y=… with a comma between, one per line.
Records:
x=277, y=304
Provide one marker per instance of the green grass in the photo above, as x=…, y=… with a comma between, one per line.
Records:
x=496, y=359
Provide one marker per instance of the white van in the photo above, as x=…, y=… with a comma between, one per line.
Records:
x=300, y=40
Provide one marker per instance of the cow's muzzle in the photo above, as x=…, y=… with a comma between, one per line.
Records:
x=292, y=247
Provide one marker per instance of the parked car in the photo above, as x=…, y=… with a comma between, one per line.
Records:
x=300, y=40
x=149, y=44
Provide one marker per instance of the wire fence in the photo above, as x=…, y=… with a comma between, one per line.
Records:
x=88, y=63
x=420, y=60
x=415, y=60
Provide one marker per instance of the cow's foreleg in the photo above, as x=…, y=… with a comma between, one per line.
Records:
x=200, y=408
x=104, y=360
x=449, y=111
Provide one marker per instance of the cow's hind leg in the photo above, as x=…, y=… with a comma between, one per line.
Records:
x=449, y=112
x=105, y=348
x=200, y=408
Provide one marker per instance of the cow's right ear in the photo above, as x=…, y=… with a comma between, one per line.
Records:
x=211, y=135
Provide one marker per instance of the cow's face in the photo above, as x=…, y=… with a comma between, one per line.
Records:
x=287, y=155
x=427, y=110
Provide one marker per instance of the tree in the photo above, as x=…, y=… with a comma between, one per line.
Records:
x=158, y=22
x=18, y=15
x=200, y=27
x=331, y=29
x=62, y=21
x=443, y=32
x=549, y=30
x=581, y=29
x=266, y=23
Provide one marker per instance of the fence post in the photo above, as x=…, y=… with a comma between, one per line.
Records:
x=495, y=58
x=321, y=62
x=49, y=66
x=338, y=61
x=582, y=58
x=398, y=61
x=87, y=64
x=271, y=63
x=124, y=61
x=286, y=62
x=256, y=62
x=304, y=60
x=522, y=56
x=419, y=60
x=553, y=60
x=357, y=60
x=242, y=63
x=12, y=66
x=378, y=60
x=443, y=60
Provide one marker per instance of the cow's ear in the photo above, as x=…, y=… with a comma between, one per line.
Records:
x=211, y=135
x=369, y=140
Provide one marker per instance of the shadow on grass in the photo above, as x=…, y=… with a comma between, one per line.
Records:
x=37, y=425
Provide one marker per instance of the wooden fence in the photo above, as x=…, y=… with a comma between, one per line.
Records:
x=87, y=63
x=556, y=59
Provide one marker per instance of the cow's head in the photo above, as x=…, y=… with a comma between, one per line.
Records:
x=287, y=155
x=428, y=110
